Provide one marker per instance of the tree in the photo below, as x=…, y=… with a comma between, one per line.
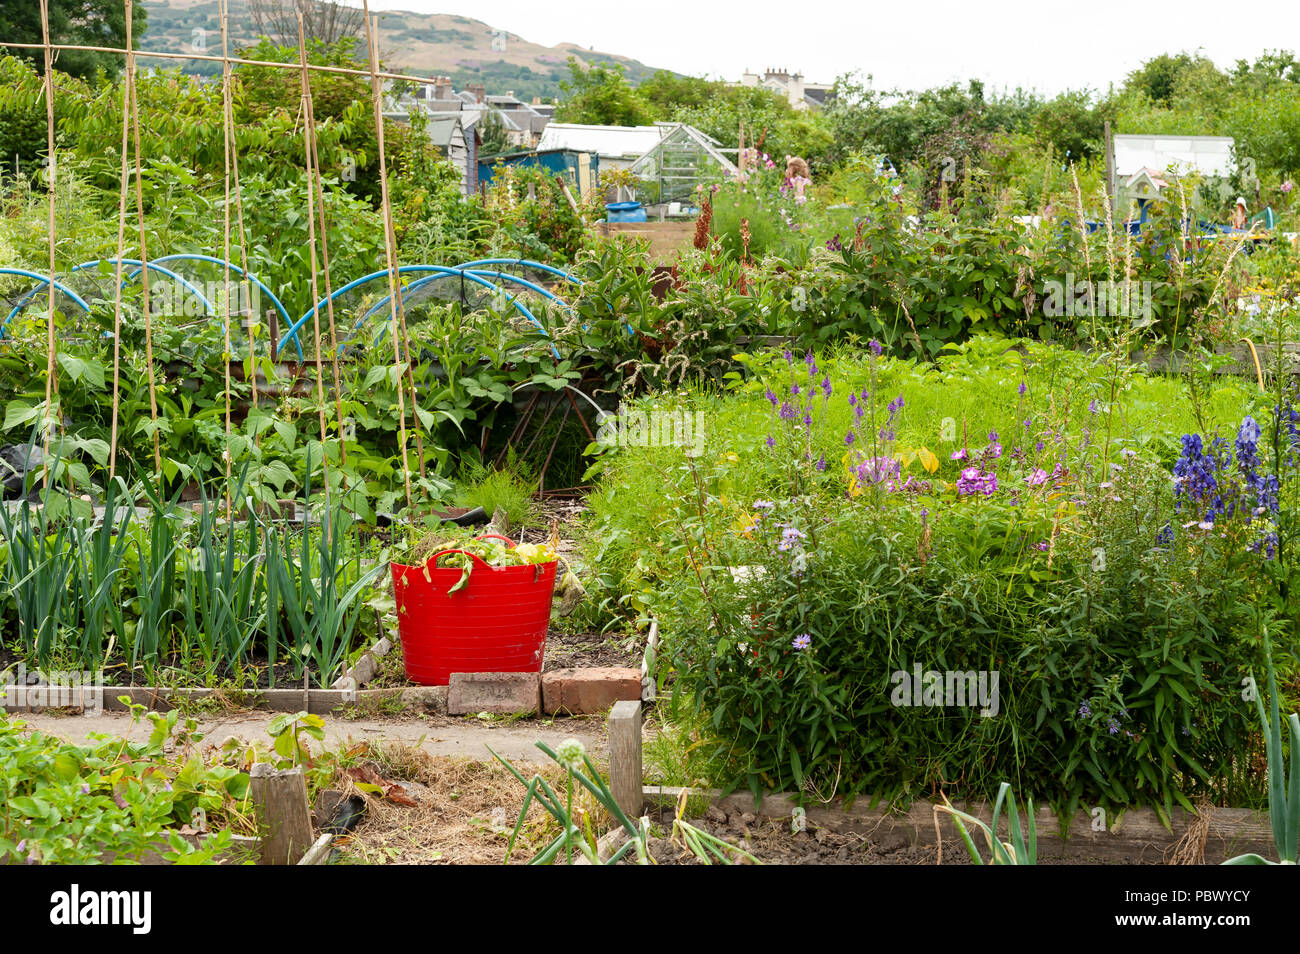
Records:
x=77, y=23
x=1167, y=78
x=322, y=20
x=493, y=131
x=601, y=96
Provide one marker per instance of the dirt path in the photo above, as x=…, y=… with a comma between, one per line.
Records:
x=436, y=735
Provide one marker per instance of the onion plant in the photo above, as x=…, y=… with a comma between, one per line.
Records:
x=574, y=759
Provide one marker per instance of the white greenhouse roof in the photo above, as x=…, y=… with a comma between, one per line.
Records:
x=1209, y=155
x=610, y=141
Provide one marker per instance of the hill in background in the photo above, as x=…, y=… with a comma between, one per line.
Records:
x=418, y=43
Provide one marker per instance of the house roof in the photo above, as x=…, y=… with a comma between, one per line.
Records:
x=443, y=129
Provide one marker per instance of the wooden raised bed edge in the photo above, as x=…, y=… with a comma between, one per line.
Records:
x=345, y=691
x=1138, y=836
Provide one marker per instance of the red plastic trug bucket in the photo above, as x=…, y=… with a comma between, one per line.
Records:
x=495, y=623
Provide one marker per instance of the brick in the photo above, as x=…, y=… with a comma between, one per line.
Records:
x=500, y=693
x=585, y=691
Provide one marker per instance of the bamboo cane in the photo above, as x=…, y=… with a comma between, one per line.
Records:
x=329, y=284
x=308, y=133
x=51, y=368
x=227, y=130
x=390, y=244
x=144, y=263
x=117, y=271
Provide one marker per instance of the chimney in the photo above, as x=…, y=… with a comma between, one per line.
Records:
x=442, y=89
x=478, y=91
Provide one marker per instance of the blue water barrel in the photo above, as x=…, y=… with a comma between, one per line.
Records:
x=624, y=212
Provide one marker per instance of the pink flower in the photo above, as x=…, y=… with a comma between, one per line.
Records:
x=1039, y=476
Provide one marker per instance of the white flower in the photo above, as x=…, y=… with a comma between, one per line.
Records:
x=570, y=753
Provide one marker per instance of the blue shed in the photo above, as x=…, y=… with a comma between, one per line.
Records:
x=582, y=169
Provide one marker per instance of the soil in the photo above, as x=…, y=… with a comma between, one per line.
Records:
x=463, y=813
x=176, y=671
x=772, y=842
x=586, y=650
x=563, y=651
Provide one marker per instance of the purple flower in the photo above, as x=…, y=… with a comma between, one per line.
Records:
x=1023, y=388
x=802, y=642
x=875, y=347
x=853, y=399
x=848, y=439
x=1085, y=712
x=821, y=462
x=1092, y=406
x=960, y=454
x=826, y=386
x=770, y=395
x=789, y=358
x=807, y=420
x=794, y=389
x=764, y=505
x=1112, y=727
x=973, y=481
x=85, y=789
x=787, y=412
x=771, y=441
x=896, y=405
x=877, y=470
x=1039, y=476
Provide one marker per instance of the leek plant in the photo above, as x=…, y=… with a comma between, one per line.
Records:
x=224, y=605
x=98, y=584
x=321, y=614
x=1283, y=797
x=37, y=573
x=156, y=593
x=1022, y=849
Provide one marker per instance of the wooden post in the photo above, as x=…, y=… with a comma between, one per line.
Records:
x=625, y=756
x=283, y=816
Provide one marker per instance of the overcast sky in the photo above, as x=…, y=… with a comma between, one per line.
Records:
x=910, y=44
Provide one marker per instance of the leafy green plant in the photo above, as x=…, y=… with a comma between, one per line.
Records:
x=113, y=800
x=287, y=731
